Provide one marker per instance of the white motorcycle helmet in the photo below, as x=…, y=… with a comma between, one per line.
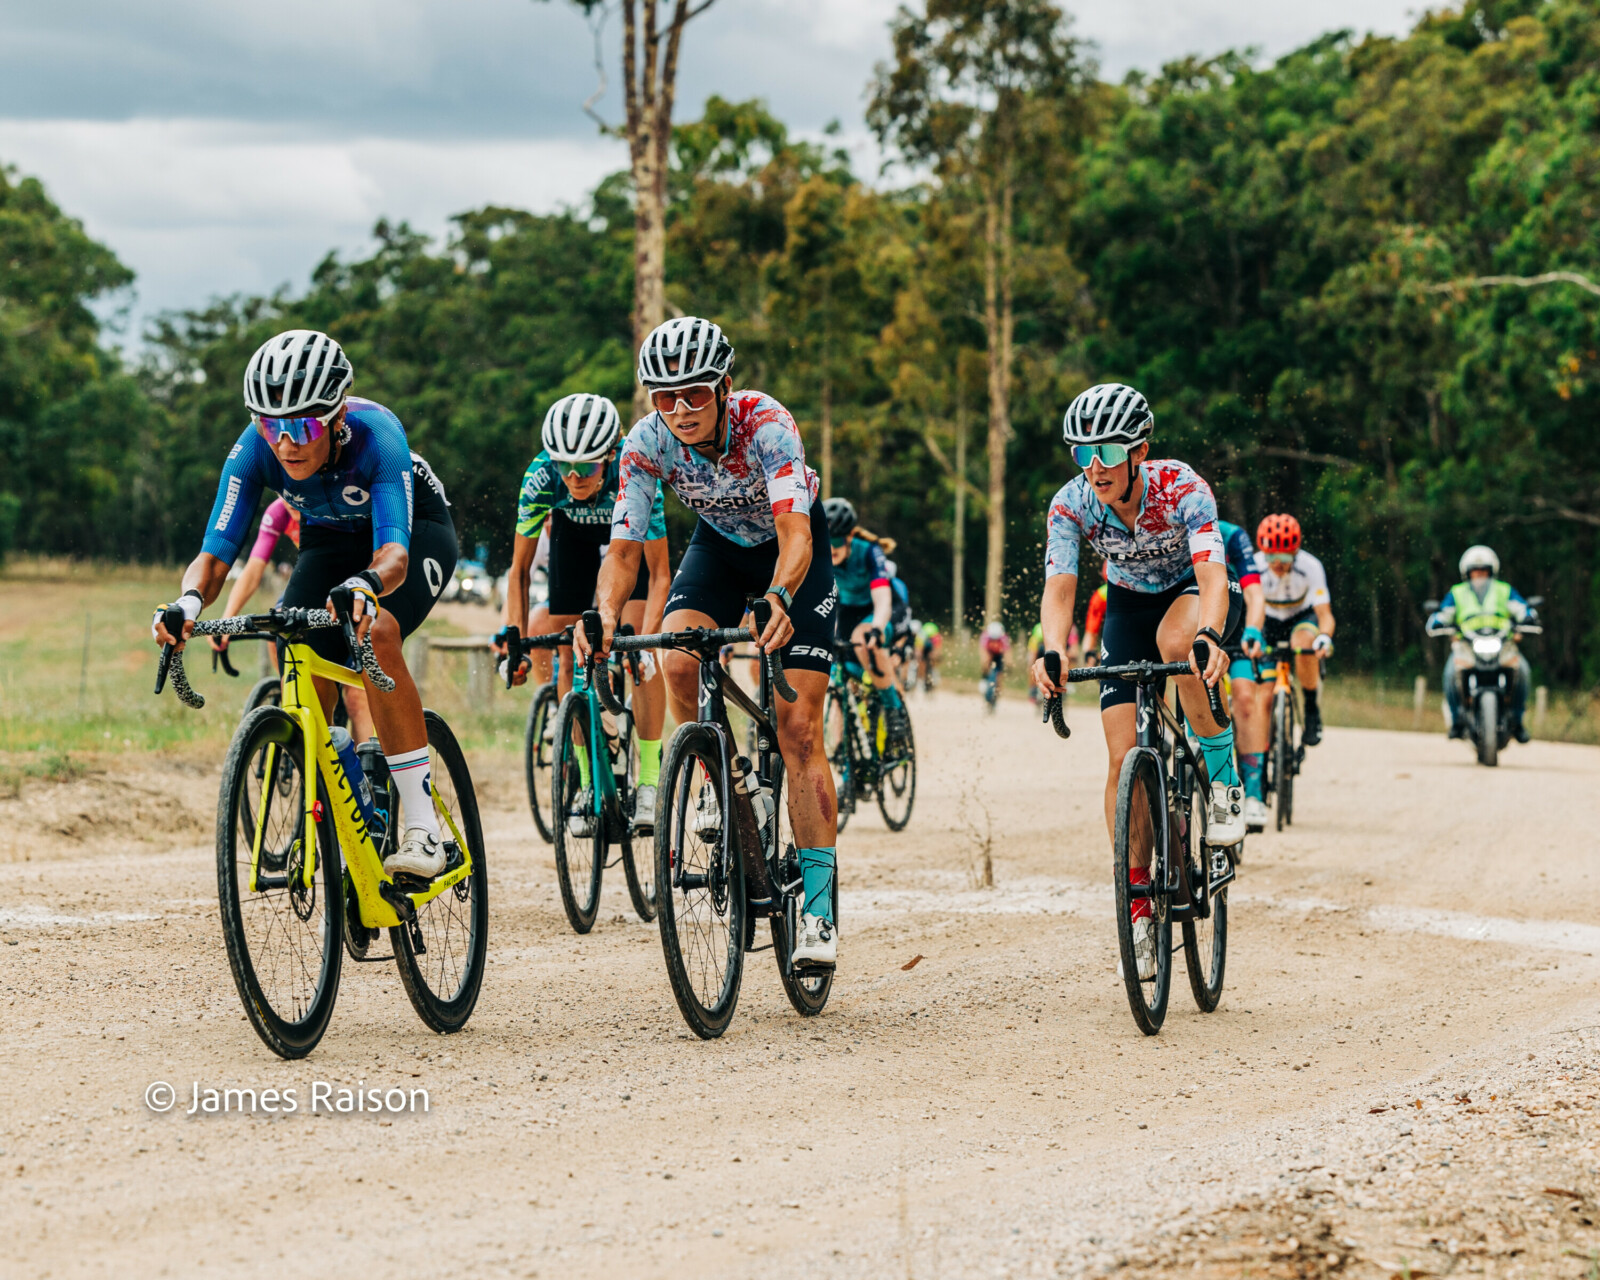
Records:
x=1479, y=557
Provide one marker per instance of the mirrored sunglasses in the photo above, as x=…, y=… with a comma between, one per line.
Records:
x=581, y=470
x=1110, y=455
x=676, y=399
x=836, y=543
x=299, y=430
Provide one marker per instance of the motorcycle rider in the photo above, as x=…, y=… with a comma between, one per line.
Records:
x=1483, y=599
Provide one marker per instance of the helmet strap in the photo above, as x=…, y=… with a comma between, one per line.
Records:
x=724, y=421
x=1133, y=470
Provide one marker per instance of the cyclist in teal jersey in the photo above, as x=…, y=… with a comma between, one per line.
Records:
x=866, y=599
x=571, y=489
x=1251, y=723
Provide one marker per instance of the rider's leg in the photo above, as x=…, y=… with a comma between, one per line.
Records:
x=1176, y=639
x=1308, y=668
x=539, y=659
x=1117, y=722
x=649, y=708
x=1519, y=698
x=1249, y=733
x=362, y=726
x=681, y=671
x=1452, y=696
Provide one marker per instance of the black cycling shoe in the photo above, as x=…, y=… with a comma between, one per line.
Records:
x=1458, y=730
x=1520, y=733
x=1313, y=733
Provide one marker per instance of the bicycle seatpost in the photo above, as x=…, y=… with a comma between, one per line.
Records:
x=1213, y=695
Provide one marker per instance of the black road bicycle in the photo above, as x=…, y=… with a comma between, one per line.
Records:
x=1161, y=820
x=538, y=743
x=725, y=852
x=1285, y=753
x=867, y=758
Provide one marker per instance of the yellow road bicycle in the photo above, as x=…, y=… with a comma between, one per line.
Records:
x=300, y=875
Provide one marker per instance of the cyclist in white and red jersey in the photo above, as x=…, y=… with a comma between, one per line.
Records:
x=1155, y=523
x=736, y=458
x=1299, y=610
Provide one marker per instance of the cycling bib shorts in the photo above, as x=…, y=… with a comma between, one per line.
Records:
x=1132, y=621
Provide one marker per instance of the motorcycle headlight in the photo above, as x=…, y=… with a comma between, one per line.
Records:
x=1487, y=646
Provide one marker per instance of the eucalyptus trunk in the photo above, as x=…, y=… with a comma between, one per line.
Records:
x=998, y=316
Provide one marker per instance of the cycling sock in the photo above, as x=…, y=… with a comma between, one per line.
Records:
x=1250, y=766
x=1218, y=753
x=1310, y=696
x=1139, y=877
x=412, y=776
x=581, y=750
x=817, y=869
x=891, y=695
x=649, y=761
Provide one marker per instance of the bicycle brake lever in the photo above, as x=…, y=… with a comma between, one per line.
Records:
x=1053, y=715
x=1213, y=694
x=512, y=662
x=173, y=620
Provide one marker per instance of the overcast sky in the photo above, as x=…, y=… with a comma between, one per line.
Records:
x=223, y=146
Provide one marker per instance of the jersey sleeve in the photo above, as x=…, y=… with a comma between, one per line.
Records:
x=782, y=457
x=273, y=525
x=638, y=488
x=1062, y=537
x=877, y=566
x=1197, y=509
x=238, y=490
x=657, y=528
x=537, y=497
x=1242, y=556
x=391, y=482
x=1316, y=579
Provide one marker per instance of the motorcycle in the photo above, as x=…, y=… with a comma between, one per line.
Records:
x=1485, y=662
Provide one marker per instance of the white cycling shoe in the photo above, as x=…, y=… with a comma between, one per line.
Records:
x=817, y=946
x=421, y=854
x=1227, y=824
x=1144, y=949
x=707, y=813
x=580, y=817
x=644, y=808
x=1255, y=814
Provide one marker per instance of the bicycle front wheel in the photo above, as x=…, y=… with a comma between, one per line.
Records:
x=700, y=884
x=443, y=975
x=1140, y=833
x=807, y=989
x=897, y=776
x=1283, y=758
x=537, y=751
x=580, y=836
x=1205, y=942
x=638, y=867
x=282, y=927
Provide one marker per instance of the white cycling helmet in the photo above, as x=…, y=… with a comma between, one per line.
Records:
x=298, y=373
x=1108, y=413
x=994, y=630
x=683, y=352
x=580, y=428
x=1480, y=557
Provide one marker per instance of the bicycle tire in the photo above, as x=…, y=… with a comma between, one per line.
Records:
x=1283, y=759
x=836, y=717
x=641, y=882
x=1489, y=728
x=1205, y=942
x=287, y=1000
x=580, y=860
x=266, y=692
x=536, y=760
x=897, y=782
x=1141, y=778
x=807, y=989
x=463, y=908
x=702, y=924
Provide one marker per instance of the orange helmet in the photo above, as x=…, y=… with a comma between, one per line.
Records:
x=1278, y=536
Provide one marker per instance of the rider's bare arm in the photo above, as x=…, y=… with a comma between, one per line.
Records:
x=523, y=550
x=659, y=564
x=1324, y=618
x=1055, y=616
x=1255, y=606
x=794, y=559
x=882, y=605
x=205, y=574
x=618, y=572
x=1212, y=578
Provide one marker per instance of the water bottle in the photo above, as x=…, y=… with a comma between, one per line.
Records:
x=375, y=769
x=765, y=807
x=344, y=747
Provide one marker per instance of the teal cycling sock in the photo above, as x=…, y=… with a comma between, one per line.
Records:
x=1250, y=767
x=891, y=695
x=1218, y=754
x=817, y=869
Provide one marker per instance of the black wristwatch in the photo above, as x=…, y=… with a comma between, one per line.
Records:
x=1211, y=635
x=373, y=580
x=784, y=598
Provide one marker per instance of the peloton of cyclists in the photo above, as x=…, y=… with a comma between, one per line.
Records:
x=736, y=459
x=862, y=575
x=1155, y=523
x=1483, y=599
x=570, y=489
x=374, y=520
x=1299, y=610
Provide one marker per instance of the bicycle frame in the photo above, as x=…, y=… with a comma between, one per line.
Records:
x=603, y=791
x=382, y=902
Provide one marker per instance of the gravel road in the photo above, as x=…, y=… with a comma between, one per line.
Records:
x=1401, y=1077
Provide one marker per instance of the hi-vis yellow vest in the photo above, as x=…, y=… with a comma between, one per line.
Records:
x=1472, y=614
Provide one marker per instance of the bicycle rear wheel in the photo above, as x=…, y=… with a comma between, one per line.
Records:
x=700, y=893
x=807, y=989
x=537, y=751
x=580, y=834
x=1283, y=758
x=1141, y=826
x=1205, y=942
x=638, y=868
x=897, y=776
x=283, y=935
x=444, y=975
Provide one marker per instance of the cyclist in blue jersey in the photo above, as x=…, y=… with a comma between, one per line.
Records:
x=865, y=617
x=1155, y=522
x=374, y=520
x=1251, y=722
x=736, y=459
x=571, y=489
